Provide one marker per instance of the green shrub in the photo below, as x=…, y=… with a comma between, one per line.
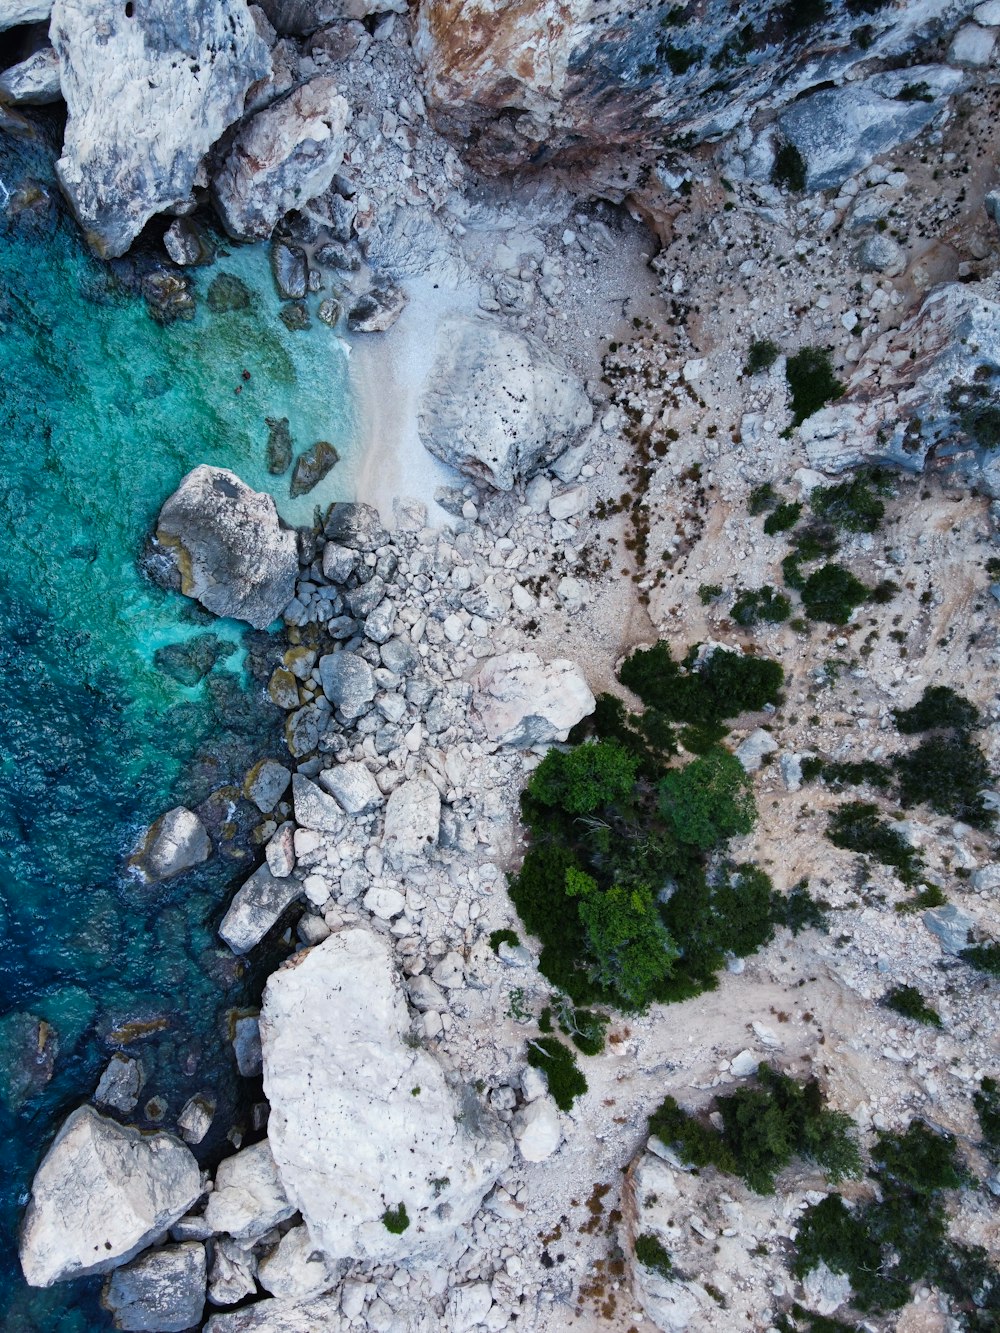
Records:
x=984, y=957
x=725, y=685
x=762, y=355
x=921, y=1160
x=842, y=773
x=679, y=58
x=708, y=592
x=632, y=951
x=977, y=408
x=708, y=800
x=789, y=168
x=763, y=1129
x=649, y=738
x=785, y=516
x=761, y=604
x=652, y=1255
x=908, y=1001
x=498, y=937
x=858, y=827
x=831, y=594
x=558, y=1063
x=811, y=381
x=939, y=707
x=915, y=92
x=853, y=505
x=799, y=910
x=947, y=773
x=396, y=1219
x=588, y=776
x=987, y=1104
x=584, y=1027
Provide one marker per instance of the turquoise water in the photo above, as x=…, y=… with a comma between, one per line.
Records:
x=102, y=411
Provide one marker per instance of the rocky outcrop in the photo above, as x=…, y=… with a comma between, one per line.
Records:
x=281, y=158
x=33, y=82
x=380, y=1155
x=102, y=1194
x=522, y=701
x=531, y=83
x=149, y=87
x=928, y=391
x=177, y=842
x=497, y=404
x=229, y=547
x=160, y=1292
x=15, y=12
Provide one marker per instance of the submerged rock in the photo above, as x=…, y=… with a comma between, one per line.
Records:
x=191, y=661
x=102, y=1194
x=311, y=467
x=226, y=292
x=28, y=1049
x=169, y=297
x=353, y=1138
x=279, y=445
x=120, y=1084
x=523, y=701
x=175, y=843
x=497, y=404
x=281, y=158
x=33, y=82
x=231, y=550
x=160, y=1292
x=147, y=98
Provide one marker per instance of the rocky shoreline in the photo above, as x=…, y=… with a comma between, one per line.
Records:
x=566, y=445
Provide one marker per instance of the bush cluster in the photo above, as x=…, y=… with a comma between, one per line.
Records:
x=908, y=1001
x=987, y=1104
x=558, y=1063
x=653, y=1255
x=853, y=505
x=763, y=1129
x=857, y=826
x=761, y=604
x=900, y=1237
x=810, y=379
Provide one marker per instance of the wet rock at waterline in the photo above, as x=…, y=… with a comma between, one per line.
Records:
x=257, y=907
x=377, y=310
x=120, y=1084
x=352, y=1137
x=281, y=158
x=498, y=404
x=101, y=1195
x=191, y=661
x=229, y=546
x=141, y=117
x=176, y=842
x=290, y=270
x=188, y=244
x=311, y=467
x=160, y=1292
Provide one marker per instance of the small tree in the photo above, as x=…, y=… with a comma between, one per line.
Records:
x=586, y=777
x=708, y=800
x=630, y=944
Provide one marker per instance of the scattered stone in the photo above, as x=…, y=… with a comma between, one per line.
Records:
x=347, y=682
x=102, y=1194
x=257, y=908
x=377, y=310
x=295, y=1270
x=234, y=1274
x=468, y=1305
x=824, y=1290
x=246, y=1045
x=32, y=82
x=195, y=1119
x=752, y=751
x=311, y=467
x=353, y=786
x=160, y=1292
x=248, y=1199
x=537, y=1130
x=231, y=550
x=880, y=254
x=744, y=1065
x=266, y=783
x=120, y=1084
x=28, y=1050
x=175, y=843
x=952, y=927
x=339, y=562
x=280, y=851
x=412, y=821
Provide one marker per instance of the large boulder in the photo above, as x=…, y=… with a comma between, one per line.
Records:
x=364, y=1126
x=281, y=158
x=283, y=1316
x=256, y=908
x=229, y=546
x=102, y=1194
x=523, y=701
x=15, y=12
x=175, y=843
x=160, y=1292
x=248, y=1199
x=497, y=405
x=32, y=82
x=412, y=821
x=149, y=87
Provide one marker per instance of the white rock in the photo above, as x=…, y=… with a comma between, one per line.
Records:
x=766, y=1036
x=280, y=851
x=972, y=45
x=825, y=1291
x=281, y=158
x=752, y=751
x=15, y=12
x=497, y=404
x=523, y=702
x=468, y=1306
x=33, y=82
x=234, y=1272
x=384, y=903
x=256, y=908
x=412, y=821
x=537, y=1131
x=744, y=1065
x=569, y=502
x=351, y=1136
x=295, y=1269
x=162, y=1291
x=353, y=786
x=101, y=1194
x=150, y=87
x=315, y=809
x=248, y=1199
x=534, y=1084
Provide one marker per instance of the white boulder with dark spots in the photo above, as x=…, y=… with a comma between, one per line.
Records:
x=522, y=701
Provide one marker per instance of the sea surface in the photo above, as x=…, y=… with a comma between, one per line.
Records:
x=102, y=412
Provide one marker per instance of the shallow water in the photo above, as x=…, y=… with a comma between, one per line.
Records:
x=102, y=411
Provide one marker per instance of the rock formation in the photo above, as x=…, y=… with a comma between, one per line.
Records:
x=497, y=404
x=149, y=88
x=380, y=1155
x=524, y=702
x=101, y=1195
x=229, y=547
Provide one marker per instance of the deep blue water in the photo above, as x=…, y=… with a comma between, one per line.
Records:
x=102, y=411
